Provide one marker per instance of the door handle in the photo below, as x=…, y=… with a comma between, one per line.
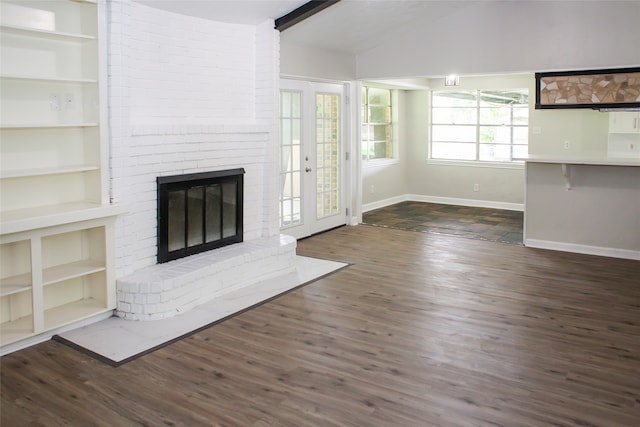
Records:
x=307, y=169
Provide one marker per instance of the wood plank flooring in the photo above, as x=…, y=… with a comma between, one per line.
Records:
x=495, y=225
x=422, y=330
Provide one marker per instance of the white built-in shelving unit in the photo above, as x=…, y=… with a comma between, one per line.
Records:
x=56, y=221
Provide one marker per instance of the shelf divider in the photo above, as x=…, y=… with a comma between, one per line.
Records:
x=60, y=273
x=47, y=34
x=23, y=173
x=47, y=125
x=15, y=284
x=53, y=79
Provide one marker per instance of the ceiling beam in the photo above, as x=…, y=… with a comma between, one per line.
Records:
x=303, y=12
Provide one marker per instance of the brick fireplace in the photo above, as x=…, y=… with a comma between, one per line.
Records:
x=197, y=96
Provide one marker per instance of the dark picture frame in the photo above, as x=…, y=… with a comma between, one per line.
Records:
x=596, y=89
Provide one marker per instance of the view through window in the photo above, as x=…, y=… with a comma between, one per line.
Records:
x=376, y=135
x=479, y=125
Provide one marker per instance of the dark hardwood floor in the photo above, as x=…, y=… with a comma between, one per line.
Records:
x=422, y=330
x=495, y=225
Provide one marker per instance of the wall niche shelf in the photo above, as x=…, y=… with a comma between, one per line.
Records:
x=56, y=220
x=23, y=173
x=16, y=284
x=52, y=79
x=46, y=34
x=47, y=125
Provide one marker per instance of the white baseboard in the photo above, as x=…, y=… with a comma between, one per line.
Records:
x=582, y=249
x=382, y=203
x=466, y=202
x=444, y=201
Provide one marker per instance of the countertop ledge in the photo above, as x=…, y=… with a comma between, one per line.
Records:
x=583, y=160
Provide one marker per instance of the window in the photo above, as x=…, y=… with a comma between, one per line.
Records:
x=479, y=125
x=377, y=132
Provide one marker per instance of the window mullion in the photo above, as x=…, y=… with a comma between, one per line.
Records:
x=511, y=135
x=477, y=125
x=370, y=129
x=389, y=143
x=366, y=122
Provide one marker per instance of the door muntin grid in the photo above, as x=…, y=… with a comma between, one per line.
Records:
x=291, y=197
x=327, y=155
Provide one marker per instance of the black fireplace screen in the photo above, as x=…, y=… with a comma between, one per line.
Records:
x=198, y=212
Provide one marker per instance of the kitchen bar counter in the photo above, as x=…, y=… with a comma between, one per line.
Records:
x=584, y=160
x=583, y=204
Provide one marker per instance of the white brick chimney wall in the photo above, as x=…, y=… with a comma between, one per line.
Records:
x=268, y=112
x=190, y=70
x=188, y=95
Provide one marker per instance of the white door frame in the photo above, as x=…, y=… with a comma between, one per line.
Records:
x=350, y=211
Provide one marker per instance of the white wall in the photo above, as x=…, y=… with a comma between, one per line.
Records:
x=497, y=186
x=585, y=130
x=413, y=175
x=316, y=63
x=491, y=37
x=188, y=95
x=384, y=179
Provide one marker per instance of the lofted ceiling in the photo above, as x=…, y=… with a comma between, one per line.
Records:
x=349, y=26
x=248, y=12
x=355, y=26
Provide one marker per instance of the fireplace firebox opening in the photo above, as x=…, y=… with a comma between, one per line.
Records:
x=199, y=212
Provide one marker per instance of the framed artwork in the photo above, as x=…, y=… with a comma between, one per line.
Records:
x=596, y=89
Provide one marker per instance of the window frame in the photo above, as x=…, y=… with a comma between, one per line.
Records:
x=515, y=162
x=391, y=154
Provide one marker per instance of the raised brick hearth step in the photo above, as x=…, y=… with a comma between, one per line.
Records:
x=165, y=290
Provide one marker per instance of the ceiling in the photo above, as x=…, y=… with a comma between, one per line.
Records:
x=349, y=26
x=248, y=12
x=355, y=26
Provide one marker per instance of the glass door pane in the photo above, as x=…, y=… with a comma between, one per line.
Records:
x=195, y=216
x=229, y=209
x=176, y=220
x=327, y=154
x=213, y=221
x=290, y=152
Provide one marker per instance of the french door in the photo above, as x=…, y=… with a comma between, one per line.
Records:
x=312, y=157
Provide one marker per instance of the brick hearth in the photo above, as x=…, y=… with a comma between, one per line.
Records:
x=165, y=290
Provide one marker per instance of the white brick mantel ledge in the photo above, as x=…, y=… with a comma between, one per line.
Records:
x=165, y=290
x=194, y=129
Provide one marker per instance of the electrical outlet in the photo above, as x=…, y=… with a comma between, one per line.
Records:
x=567, y=145
x=372, y=190
x=69, y=101
x=54, y=102
x=476, y=187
